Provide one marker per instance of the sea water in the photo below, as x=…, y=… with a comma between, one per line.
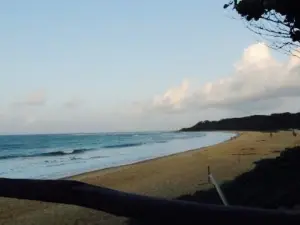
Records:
x=56, y=156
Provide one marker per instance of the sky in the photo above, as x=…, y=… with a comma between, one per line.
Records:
x=102, y=66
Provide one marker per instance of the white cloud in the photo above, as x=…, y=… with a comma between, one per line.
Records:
x=259, y=82
x=37, y=98
x=73, y=103
x=173, y=98
x=23, y=113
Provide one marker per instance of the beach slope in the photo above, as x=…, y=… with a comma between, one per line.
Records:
x=169, y=177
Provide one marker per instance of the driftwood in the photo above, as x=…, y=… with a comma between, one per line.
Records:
x=139, y=207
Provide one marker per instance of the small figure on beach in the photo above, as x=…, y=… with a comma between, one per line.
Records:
x=294, y=133
x=271, y=134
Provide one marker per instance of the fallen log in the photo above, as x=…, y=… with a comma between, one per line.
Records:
x=144, y=208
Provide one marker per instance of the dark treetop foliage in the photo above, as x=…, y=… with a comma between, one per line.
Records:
x=252, y=123
x=277, y=21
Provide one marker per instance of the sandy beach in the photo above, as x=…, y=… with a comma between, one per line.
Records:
x=169, y=177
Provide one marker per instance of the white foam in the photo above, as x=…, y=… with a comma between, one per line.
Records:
x=63, y=166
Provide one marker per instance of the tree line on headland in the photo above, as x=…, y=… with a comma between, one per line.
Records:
x=273, y=122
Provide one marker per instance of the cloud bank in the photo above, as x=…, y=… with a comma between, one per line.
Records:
x=259, y=82
x=73, y=103
x=37, y=98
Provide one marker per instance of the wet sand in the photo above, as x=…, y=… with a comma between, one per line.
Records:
x=170, y=177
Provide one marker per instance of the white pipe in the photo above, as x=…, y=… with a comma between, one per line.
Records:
x=212, y=179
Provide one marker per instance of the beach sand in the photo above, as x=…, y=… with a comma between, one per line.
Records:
x=169, y=177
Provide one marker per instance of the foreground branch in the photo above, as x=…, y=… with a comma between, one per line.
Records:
x=278, y=19
x=138, y=206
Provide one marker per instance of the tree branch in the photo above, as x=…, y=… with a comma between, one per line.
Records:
x=140, y=207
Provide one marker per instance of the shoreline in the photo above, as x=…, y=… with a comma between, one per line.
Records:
x=76, y=176
x=167, y=177
x=226, y=159
x=74, y=160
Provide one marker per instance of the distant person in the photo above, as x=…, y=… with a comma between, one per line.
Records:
x=294, y=133
x=271, y=134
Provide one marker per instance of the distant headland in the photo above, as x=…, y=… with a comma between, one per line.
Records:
x=273, y=122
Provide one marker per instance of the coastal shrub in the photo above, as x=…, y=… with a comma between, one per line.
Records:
x=272, y=183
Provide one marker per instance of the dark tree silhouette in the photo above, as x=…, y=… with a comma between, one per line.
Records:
x=277, y=21
x=273, y=122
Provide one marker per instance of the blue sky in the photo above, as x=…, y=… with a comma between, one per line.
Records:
x=72, y=66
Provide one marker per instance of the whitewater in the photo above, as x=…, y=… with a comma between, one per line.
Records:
x=56, y=156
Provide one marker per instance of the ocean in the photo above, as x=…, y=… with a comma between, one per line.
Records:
x=62, y=155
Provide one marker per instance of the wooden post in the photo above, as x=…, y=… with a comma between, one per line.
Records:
x=212, y=180
x=218, y=188
x=208, y=173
